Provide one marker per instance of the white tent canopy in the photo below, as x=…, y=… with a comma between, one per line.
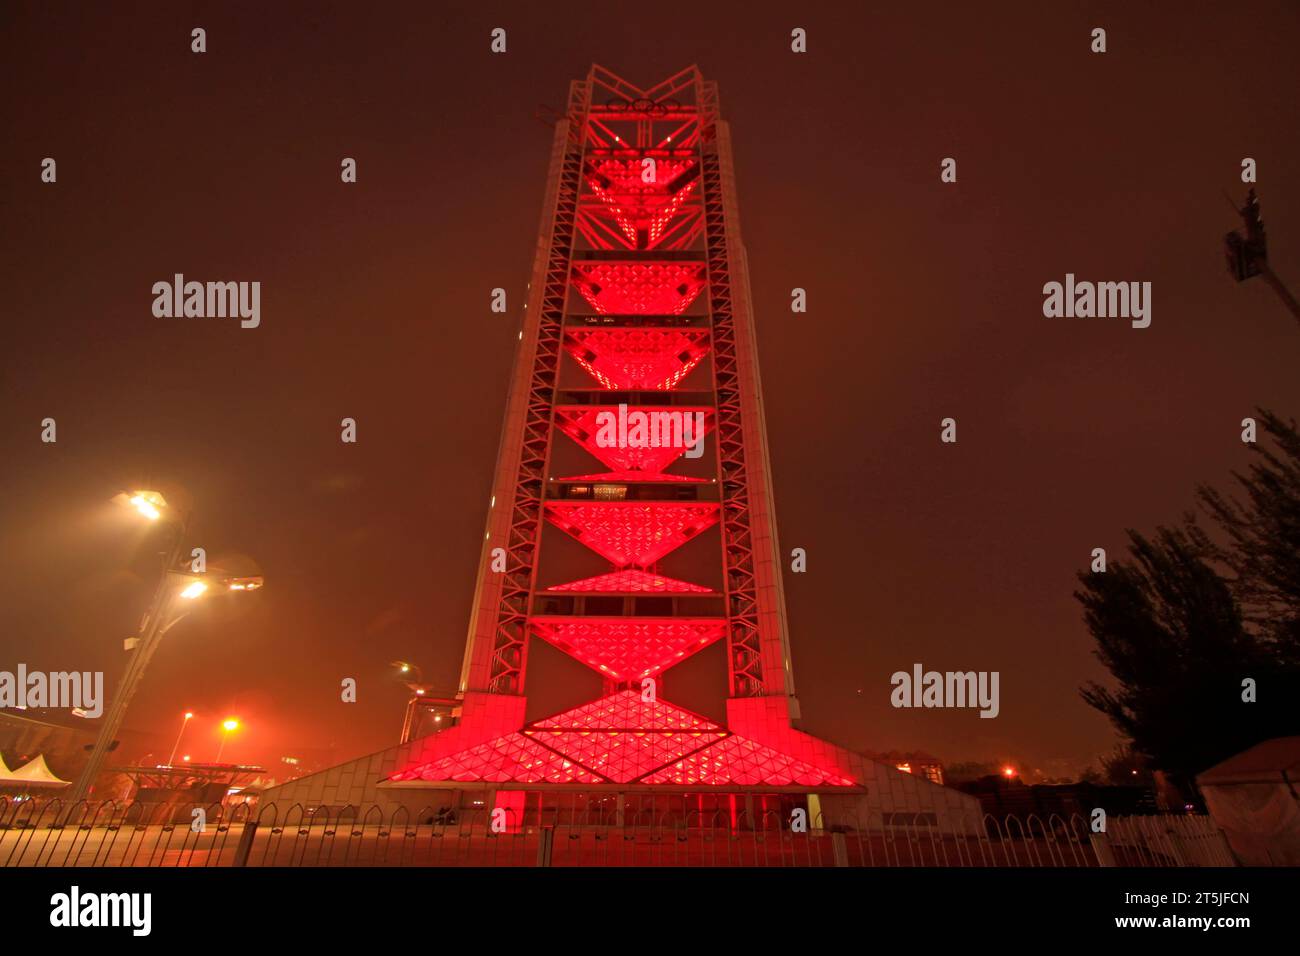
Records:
x=34, y=773
x=1252, y=798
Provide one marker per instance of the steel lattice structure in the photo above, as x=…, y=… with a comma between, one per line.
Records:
x=640, y=293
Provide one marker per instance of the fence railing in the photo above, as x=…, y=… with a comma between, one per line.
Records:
x=109, y=834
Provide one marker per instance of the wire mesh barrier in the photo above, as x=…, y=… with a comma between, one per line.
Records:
x=110, y=834
x=52, y=833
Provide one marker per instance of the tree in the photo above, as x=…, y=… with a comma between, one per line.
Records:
x=1124, y=767
x=1170, y=631
x=1263, y=537
x=1187, y=619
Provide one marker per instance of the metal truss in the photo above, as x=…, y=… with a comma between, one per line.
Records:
x=744, y=645
x=509, y=648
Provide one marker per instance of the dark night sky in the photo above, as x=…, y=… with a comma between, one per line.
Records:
x=924, y=301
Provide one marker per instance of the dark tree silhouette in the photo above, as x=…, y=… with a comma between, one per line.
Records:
x=1263, y=537
x=1185, y=620
x=1124, y=766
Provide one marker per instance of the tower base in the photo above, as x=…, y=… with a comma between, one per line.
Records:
x=752, y=774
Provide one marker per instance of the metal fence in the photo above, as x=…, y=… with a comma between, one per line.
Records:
x=110, y=834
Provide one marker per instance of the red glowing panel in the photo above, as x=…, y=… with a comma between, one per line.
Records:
x=639, y=288
x=638, y=439
x=621, y=739
x=626, y=710
x=622, y=756
x=740, y=761
x=632, y=532
x=629, y=648
x=637, y=358
x=632, y=580
x=513, y=758
x=641, y=209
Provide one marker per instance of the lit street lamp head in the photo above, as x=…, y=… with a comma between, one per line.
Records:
x=149, y=504
x=145, y=508
x=194, y=590
x=197, y=588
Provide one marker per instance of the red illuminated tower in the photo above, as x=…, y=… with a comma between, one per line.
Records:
x=632, y=553
x=639, y=298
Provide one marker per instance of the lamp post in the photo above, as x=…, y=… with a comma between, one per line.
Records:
x=421, y=701
x=229, y=726
x=171, y=761
x=172, y=600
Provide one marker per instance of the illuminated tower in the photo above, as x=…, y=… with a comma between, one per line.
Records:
x=629, y=555
x=639, y=303
x=625, y=552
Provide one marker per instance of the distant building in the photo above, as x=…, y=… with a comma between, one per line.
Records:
x=914, y=762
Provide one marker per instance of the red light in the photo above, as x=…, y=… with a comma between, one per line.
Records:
x=626, y=711
x=641, y=209
x=637, y=358
x=630, y=532
x=582, y=424
x=738, y=760
x=622, y=739
x=629, y=648
x=639, y=288
x=514, y=758
x=631, y=580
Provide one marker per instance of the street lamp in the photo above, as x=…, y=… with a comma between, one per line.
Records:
x=184, y=723
x=163, y=614
x=148, y=504
x=229, y=725
x=420, y=701
x=410, y=672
